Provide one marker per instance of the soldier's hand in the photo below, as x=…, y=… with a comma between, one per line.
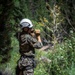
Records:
x=37, y=31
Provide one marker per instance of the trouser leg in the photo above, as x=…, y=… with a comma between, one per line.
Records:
x=26, y=66
x=28, y=72
x=19, y=71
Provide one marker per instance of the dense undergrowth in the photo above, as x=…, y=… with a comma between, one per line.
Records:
x=61, y=56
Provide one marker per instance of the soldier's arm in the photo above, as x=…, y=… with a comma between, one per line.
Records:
x=36, y=43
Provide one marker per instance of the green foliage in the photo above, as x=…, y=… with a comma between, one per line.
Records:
x=62, y=58
x=37, y=25
x=40, y=70
x=71, y=70
x=11, y=64
x=48, y=14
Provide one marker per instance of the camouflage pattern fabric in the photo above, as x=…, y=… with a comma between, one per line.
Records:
x=28, y=43
x=28, y=72
x=26, y=62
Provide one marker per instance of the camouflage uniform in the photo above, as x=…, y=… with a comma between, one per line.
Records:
x=26, y=62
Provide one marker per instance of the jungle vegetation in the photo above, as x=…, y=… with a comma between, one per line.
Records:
x=55, y=19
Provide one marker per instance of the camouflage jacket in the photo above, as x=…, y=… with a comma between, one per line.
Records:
x=27, y=44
